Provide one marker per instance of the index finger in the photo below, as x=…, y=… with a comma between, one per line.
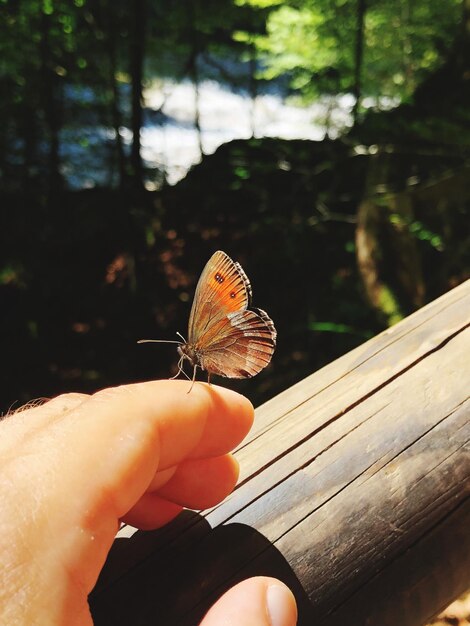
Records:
x=111, y=445
x=151, y=426
x=209, y=421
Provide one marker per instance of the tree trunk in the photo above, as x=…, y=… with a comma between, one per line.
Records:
x=358, y=56
x=137, y=61
x=51, y=107
x=253, y=88
x=193, y=70
x=394, y=288
x=406, y=43
x=197, y=110
x=29, y=133
x=115, y=108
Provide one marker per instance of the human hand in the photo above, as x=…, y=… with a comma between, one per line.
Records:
x=73, y=468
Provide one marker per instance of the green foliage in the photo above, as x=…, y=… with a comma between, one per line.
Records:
x=314, y=42
x=418, y=230
x=390, y=306
x=332, y=327
x=182, y=33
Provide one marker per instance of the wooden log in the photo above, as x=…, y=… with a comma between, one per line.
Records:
x=354, y=490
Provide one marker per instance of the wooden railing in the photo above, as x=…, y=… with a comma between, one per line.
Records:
x=354, y=490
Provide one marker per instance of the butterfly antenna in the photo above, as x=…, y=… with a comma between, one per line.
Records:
x=158, y=341
x=180, y=335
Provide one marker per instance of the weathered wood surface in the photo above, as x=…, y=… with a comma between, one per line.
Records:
x=354, y=489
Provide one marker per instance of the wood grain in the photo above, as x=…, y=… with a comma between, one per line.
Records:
x=354, y=489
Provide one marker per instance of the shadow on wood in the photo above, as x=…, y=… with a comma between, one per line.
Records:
x=354, y=490
x=214, y=560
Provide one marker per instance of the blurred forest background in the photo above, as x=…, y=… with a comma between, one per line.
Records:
x=123, y=167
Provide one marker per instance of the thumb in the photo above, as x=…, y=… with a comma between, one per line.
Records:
x=259, y=601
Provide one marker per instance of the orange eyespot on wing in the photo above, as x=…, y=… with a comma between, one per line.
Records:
x=230, y=287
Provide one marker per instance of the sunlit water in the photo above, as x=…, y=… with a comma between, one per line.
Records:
x=171, y=143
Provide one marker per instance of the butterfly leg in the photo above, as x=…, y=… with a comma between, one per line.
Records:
x=180, y=370
x=194, y=378
x=183, y=372
x=208, y=378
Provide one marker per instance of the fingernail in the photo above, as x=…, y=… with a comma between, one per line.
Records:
x=279, y=604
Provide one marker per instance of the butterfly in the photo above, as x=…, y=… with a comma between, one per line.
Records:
x=226, y=336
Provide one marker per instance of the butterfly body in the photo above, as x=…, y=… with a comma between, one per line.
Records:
x=226, y=336
x=190, y=352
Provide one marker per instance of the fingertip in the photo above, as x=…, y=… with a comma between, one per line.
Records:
x=235, y=400
x=280, y=604
x=229, y=420
x=239, y=403
x=262, y=600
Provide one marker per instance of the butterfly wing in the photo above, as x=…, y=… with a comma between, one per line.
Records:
x=223, y=288
x=230, y=339
x=242, y=345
